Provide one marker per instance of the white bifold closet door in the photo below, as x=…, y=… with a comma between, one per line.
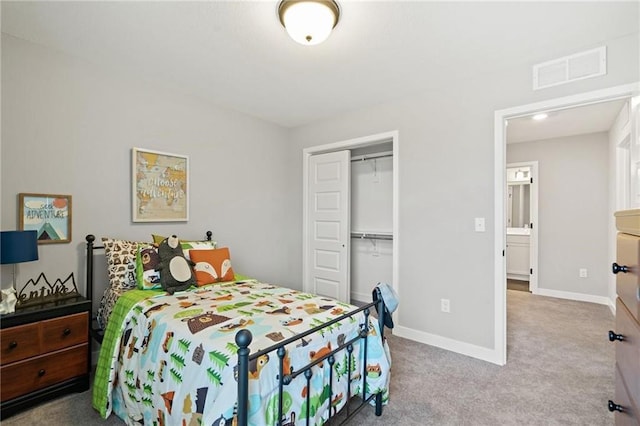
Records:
x=329, y=224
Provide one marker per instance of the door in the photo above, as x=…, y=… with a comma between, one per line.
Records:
x=328, y=204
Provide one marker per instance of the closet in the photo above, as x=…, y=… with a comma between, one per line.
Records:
x=350, y=216
x=371, y=219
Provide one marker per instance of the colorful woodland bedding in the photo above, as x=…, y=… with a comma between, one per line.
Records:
x=172, y=360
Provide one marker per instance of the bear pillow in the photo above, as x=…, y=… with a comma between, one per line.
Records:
x=212, y=266
x=147, y=261
x=175, y=270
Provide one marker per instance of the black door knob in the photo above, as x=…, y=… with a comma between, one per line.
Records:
x=615, y=268
x=613, y=336
x=614, y=407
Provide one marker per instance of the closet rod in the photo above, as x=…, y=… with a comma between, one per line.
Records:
x=371, y=236
x=371, y=156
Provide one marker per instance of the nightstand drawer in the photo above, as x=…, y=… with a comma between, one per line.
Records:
x=19, y=342
x=26, y=376
x=63, y=332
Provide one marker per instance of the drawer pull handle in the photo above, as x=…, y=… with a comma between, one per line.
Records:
x=66, y=332
x=13, y=344
x=613, y=336
x=614, y=407
x=615, y=268
x=41, y=373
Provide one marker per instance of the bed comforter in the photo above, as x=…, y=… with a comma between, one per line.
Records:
x=172, y=360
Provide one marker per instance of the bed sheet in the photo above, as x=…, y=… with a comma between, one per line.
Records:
x=174, y=360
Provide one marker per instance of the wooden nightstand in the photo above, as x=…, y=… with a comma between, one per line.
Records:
x=44, y=353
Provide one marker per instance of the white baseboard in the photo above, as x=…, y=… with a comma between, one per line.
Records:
x=580, y=297
x=479, y=352
x=361, y=297
x=519, y=277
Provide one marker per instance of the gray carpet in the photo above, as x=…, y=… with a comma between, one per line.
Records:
x=559, y=371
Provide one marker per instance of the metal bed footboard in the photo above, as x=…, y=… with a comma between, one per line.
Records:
x=243, y=339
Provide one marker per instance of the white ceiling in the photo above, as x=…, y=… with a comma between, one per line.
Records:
x=236, y=54
x=566, y=122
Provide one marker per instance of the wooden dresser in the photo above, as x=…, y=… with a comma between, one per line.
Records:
x=627, y=333
x=44, y=353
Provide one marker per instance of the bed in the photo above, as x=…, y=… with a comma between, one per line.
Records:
x=236, y=352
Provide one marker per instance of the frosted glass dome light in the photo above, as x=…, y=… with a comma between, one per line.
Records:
x=308, y=22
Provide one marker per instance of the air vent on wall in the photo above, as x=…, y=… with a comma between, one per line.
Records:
x=587, y=64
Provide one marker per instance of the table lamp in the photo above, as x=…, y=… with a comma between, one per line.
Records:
x=16, y=247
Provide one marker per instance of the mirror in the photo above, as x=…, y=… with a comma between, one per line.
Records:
x=518, y=197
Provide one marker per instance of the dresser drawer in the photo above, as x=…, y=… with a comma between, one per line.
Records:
x=629, y=414
x=36, y=373
x=64, y=332
x=628, y=350
x=628, y=284
x=19, y=342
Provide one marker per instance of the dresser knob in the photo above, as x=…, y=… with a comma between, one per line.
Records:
x=66, y=332
x=13, y=344
x=615, y=268
x=614, y=407
x=613, y=336
x=41, y=373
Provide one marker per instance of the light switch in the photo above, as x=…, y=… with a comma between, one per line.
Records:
x=480, y=224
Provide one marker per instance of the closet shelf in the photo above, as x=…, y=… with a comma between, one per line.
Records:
x=371, y=236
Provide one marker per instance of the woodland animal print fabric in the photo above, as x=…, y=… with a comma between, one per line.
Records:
x=176, y=359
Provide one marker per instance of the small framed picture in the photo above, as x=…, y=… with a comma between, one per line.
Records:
x=49, y=214
x=160, y=190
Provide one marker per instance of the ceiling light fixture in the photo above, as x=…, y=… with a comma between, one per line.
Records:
x=540, y=116
x=309, y=22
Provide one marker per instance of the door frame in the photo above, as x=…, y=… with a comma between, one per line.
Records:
x=376, y=139
x=533, y=232
x=500, y=183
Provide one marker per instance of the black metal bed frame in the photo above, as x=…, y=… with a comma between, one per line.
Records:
x=244, y=337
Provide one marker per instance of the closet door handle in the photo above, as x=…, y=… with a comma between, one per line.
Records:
x=613, y=336
x=615, y=268
x=614, y=407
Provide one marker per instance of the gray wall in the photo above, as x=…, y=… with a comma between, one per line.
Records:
x=446, y=166
x=573, y=210
x=68, y=128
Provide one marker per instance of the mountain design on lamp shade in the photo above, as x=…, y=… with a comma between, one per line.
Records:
x=47, y=232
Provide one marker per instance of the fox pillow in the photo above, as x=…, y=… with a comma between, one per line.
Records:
x=212, y=266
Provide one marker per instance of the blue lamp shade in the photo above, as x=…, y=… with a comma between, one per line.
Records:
x=18, y=246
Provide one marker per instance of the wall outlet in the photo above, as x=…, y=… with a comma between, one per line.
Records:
x=583, y=273
x=444, y=305
x=479, y=224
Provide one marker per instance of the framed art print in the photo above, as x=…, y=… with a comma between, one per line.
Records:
x=160, y=186
x=48, y=214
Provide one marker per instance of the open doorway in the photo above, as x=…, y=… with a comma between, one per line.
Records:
x=522, y=226
x=502, y=118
